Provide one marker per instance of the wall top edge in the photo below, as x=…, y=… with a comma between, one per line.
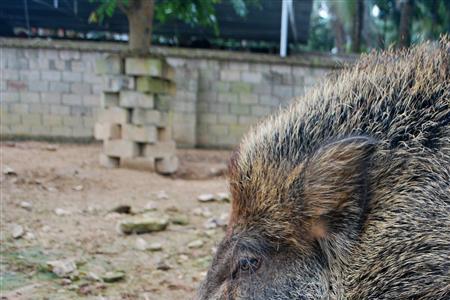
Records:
x=306, y=59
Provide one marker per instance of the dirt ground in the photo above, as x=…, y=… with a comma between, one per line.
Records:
x=71, y=198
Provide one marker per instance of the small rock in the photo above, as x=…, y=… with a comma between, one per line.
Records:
x=172, y=209
x=210, y=233
x=150, y=206
x=225, y=197
x=17, y=231
x=183, y=257
x=202, y=211
x=51, y=189
x=78, y=188
x=113, y=216
x=142, y=224
x=91, y=276
x=196, y=244
x=162, y=195
x=211, y=223
x=223, y=219
x=218, y=170
x=66, y=281
x=62, y=268
x=93, y=209
x=61, y=212
x=154, y=247
x=141, y=244
x=72, y=287
x=29, y=236
x=51, y=147
x=163, y=266
x=179, y=220
x=7, y=170
x=46, y=228
x=206, y=198
x=122, y=209
x=113, y=276
x=26, y=205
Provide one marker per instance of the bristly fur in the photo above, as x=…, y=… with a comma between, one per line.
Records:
x=400, y=100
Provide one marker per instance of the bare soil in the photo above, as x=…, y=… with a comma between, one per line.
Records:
x=68, y=177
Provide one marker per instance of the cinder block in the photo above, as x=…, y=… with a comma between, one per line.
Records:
x=162, y=102
x=108, y=99
x=106, y=131
x=142, y=134
x=116, y=83
x=251, y=77
x=132, y=99
x=160, y=149
x=230, y=75
x=154, y=67
x=164, y=134
x=167, y=165
x=138, y=163
x=155, y=85
x=80, y=88
x=112, y=64
x=140, y=116
x=108, y=161
x=241, y=87
x=71, y=76
x=121, y=148
x=116, y=115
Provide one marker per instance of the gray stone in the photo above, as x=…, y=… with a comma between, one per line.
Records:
x=61, y=212
x=62, y=268
x=179, y=219
x=206, y=198
x=154, y=247
x=113, y=276
x=141, y=244
x=195, y=244
x=17, y=231
x=26, y=205
x=224, y=196
x=143, y=224
x=167, y=165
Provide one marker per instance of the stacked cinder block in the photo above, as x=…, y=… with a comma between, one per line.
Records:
x=133, y=119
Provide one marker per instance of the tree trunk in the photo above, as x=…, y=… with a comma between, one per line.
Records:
x=339, y=35
x=358, y=20
x=140, y=22
x=406, y=8
x=338, y=28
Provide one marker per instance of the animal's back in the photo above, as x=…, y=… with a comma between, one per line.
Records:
x=402, y=100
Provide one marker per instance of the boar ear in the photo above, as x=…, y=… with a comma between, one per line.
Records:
x=335, y=183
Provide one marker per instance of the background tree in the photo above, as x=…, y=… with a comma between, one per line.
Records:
x=140, y=15
x=406, y=11
x=358, y=21
x=361, y=25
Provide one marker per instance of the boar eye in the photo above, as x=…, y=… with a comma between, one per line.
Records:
x=248, y=264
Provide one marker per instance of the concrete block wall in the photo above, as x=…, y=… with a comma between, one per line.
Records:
x=48, y=92
x=50, y=89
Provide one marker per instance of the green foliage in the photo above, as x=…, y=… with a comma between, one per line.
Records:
x=191, y=12
x=430, y=19
x=320, y=33
x=106, y=8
